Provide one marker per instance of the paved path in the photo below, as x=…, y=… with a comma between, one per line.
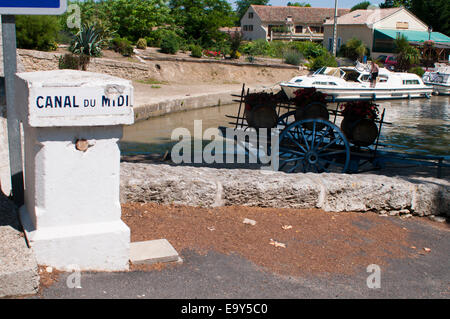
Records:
x=220, y=276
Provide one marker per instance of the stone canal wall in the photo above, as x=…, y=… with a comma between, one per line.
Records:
x=331, y=192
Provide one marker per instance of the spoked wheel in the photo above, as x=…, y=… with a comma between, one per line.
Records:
x=322, y=149
x=285, y=120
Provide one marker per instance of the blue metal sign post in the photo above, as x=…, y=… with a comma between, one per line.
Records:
x=8, y=10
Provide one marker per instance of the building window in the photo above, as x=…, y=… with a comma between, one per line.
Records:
x=298, y=29
x=250, y=15
x=403, y=25
x=315, y=29
x=248, y=27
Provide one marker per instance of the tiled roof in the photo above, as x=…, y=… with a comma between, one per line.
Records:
x=364, y=16
x=298, y=14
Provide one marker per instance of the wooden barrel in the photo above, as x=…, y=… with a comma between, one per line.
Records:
x=361, y=132
x=314, y=110
x=261, y=116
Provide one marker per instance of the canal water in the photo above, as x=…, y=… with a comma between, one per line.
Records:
x=420, y=126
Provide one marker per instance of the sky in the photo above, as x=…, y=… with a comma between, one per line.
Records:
x=324, y=3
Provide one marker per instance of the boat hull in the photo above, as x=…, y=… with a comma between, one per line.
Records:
x=345, y=94
x=441, y=89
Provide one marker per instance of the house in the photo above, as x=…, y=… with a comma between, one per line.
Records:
x=378, y=29
x=286, y=23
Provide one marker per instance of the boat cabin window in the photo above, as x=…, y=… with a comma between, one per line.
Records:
x=324, y=83
x=330, y=71
x=411, y=82
x=352, y=76
x=298, y=80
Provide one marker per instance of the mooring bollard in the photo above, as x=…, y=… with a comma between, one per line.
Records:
x=72, y=123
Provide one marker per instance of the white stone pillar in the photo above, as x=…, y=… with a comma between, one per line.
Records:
x=72, y=124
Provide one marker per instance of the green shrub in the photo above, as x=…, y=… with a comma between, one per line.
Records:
x=258, y=47
x=309, y=49
x=37, y=32
x=170, y=45
x=323, y=60
x=141, y=44
x=123, y=46
x=354, y=49
x=417, y=70
x=293, y=57
x=88, y=41
x=196, y=51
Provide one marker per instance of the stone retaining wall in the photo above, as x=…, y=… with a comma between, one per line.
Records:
x=332, y=192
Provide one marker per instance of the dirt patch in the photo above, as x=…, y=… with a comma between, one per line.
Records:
x=47, y=278
x=316, y=242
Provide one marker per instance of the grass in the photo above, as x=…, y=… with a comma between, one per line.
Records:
x=156, y=86
x=151, y=81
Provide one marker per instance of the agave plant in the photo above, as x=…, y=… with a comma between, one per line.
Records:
x=88, y=41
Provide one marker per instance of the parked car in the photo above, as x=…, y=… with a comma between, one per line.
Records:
x=389, y=61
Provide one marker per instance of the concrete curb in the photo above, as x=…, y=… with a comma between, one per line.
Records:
x=211, y=187
x=18, y=266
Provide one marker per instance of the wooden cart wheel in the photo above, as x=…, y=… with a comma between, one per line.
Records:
x=322, y=149
x=285, y=120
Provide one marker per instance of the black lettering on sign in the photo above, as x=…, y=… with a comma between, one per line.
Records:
x=37, y=102
x=58, y=101
x=105, y=101
x=67, y=102
x=48, y=102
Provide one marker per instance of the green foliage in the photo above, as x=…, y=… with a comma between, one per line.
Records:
x=258, y=47
x=88, y=41
x=196, y=51
x=130, y=19
x=235, y=44
x=407, y=55
x=323, y=60
x=310, y=49
x=435, y=13
x=170, y=45
x=37, y=32
x=362, y=5
x=417, y=70
x=200, y=20
x=74, y=62
x=123, y=46
x=141, y=44
x=298, y=4
x=354, y=49
x=243, y=5
x=396, y=3
x=293, y=57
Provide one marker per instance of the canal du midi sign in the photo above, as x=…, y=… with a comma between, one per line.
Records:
x=41, y=7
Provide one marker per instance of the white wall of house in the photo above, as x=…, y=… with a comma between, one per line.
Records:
x=257, y=30
x=403, y=19
x=346, y=32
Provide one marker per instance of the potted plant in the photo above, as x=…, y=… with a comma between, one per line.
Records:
x=260, y=110
x=311, y=104
x=359, y=124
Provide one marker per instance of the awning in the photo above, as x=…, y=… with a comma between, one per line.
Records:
x=412, y=36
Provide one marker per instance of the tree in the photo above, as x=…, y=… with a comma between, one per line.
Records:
x=243, y=5
x=396, y=3
x=407, y=55
x=131, y=19
x=435, y=13
x=362, y=5
x=298, y=4
x=37, y=32
x=201, y=19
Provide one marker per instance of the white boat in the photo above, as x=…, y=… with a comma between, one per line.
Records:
x=439, y=79
x=353, y=83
